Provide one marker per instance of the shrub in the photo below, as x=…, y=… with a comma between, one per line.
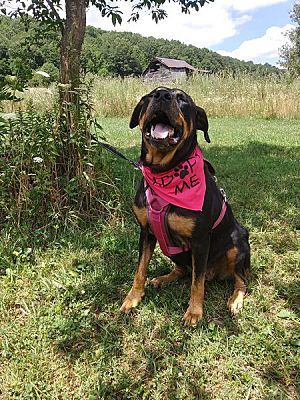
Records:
x=47, y=179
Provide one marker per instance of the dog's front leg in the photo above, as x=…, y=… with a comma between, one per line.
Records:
x=199, y=263
x=135, y=295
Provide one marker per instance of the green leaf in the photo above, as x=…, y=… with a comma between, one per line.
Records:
x=295, y=342
x=284, y=314
x=119, y=18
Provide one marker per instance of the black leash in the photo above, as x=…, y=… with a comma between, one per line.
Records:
x=116, y=152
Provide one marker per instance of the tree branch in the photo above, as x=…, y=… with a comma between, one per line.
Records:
x=53, y=9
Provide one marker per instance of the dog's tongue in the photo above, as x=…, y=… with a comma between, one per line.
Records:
x=161, y=131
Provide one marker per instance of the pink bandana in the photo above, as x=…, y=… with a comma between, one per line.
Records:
x=183, y=186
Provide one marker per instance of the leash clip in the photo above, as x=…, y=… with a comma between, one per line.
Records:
x=223, y=193
x=135, y=165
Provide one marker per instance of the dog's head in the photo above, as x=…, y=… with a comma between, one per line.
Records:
x=168, y=119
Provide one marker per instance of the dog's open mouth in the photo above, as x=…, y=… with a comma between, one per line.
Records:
x=160, y=131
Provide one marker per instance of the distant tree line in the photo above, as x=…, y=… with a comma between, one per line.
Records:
x=106, y=53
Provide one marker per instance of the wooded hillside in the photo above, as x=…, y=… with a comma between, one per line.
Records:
x=106, y=53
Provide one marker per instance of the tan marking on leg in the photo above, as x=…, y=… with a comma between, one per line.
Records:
x=141, y=215
x=177, y=273
x=231, y=260
x=195, y=309
x=235, y=302
x=136, y=293
x=224, y=267
x=181, y=225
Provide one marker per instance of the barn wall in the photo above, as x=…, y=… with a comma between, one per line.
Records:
x=165, y=74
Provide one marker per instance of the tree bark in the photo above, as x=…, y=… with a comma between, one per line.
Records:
x=69, y=95
x=71, y=43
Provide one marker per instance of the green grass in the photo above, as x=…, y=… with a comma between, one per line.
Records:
x=62, y=336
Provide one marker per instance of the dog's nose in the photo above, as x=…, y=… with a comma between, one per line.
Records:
x=162, y=94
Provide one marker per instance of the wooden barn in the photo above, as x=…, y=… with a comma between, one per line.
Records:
x=168, y=69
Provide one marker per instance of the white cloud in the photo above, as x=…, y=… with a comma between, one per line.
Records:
x=210, y=26
x=262, y=49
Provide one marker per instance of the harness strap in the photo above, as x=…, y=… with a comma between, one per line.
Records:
x=157, y=211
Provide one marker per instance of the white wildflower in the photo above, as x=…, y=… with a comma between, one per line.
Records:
x=9, y=116
x=37, y=160
x=43, y=73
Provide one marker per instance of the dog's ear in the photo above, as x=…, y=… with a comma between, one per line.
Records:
x=202, y=122
x=135, y=118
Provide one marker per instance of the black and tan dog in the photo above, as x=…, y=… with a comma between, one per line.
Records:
x=220, y=252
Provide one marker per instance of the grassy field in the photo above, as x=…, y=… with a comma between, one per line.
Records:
x=234, y=96
x=62, y=336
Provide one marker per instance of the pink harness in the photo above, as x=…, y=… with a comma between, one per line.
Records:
x=157, y=212
x=183, y=186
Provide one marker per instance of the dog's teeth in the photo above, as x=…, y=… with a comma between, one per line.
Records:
x=174, y=140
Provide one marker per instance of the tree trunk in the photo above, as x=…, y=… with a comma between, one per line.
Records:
x=71, y=43
x=69, y=95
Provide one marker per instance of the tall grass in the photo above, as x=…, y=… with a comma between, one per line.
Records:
x=38, y=98
x=221, y=96
x=240, y=96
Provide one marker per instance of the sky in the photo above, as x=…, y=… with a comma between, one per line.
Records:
x=250, y=30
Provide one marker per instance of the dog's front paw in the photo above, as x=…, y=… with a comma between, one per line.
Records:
x=132, y=299
x=193, y=315
x=235, y=303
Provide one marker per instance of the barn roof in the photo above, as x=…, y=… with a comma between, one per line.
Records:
x=172, y=63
